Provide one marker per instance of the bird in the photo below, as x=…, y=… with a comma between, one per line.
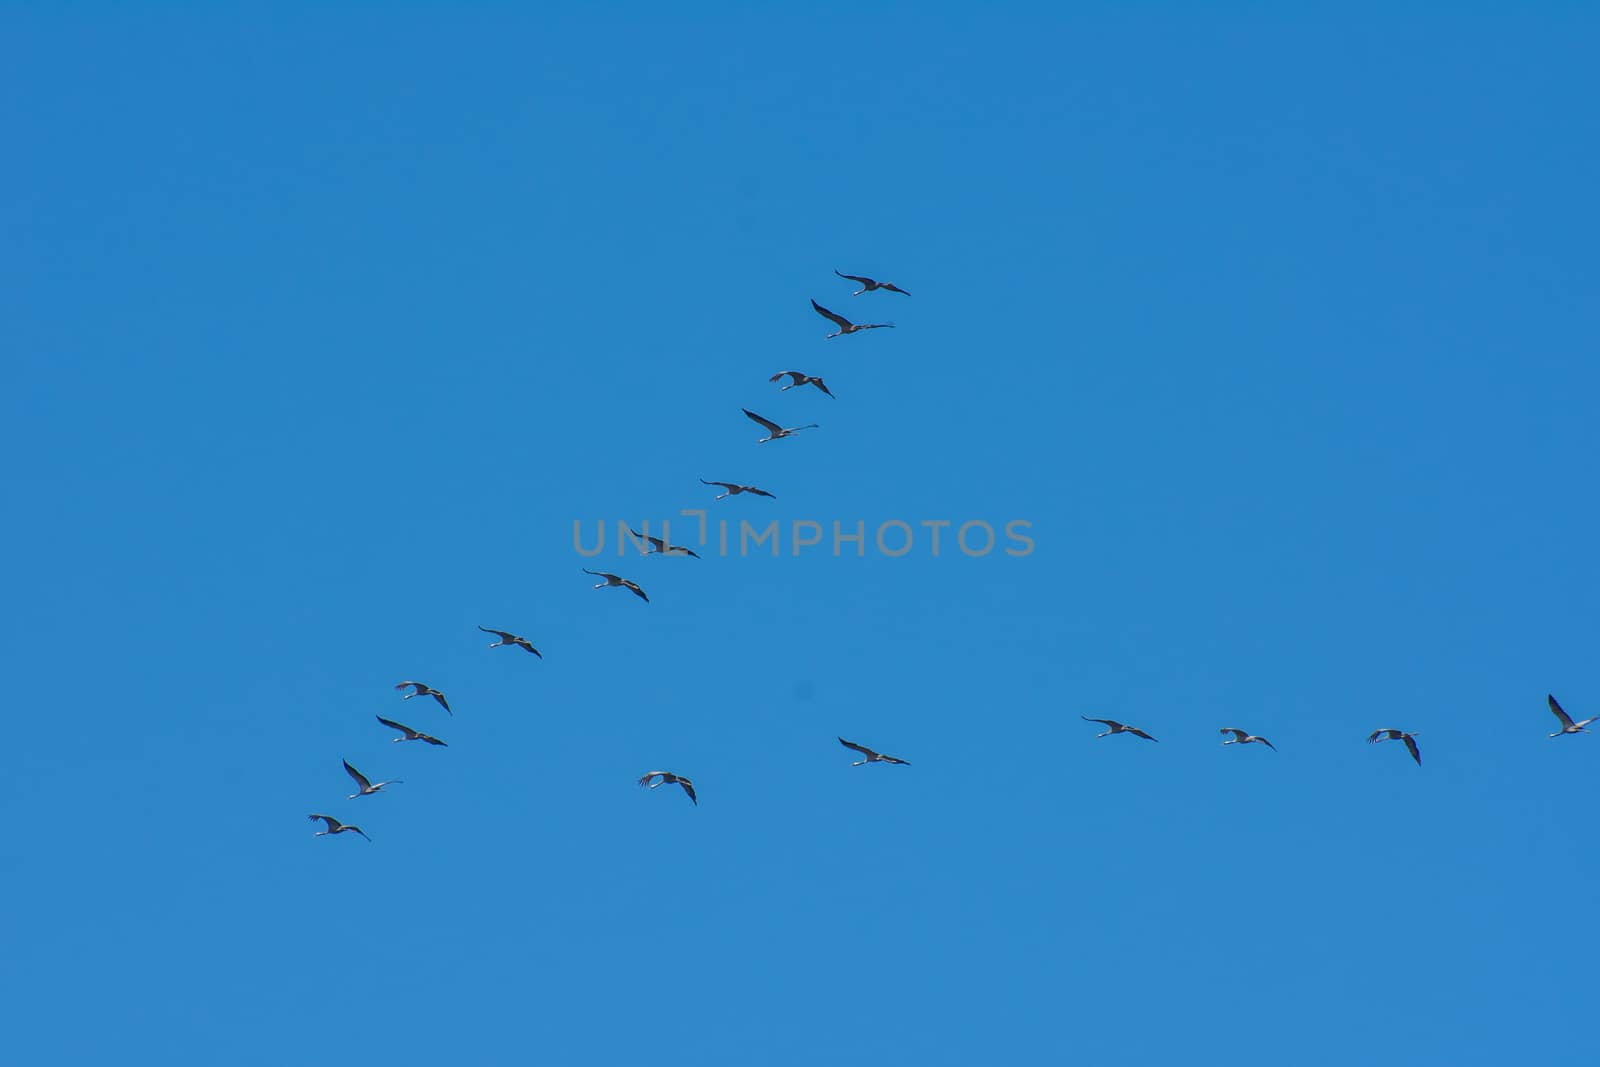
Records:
x=735, y=490
x=801, y=379
x=426, y=691
x=1388, y=734
x=658, y=547
x=336, y=827
x=363, y=784
x=1567, y=725
x=868, y=285
x=872, y=757
x=1242, y=738
x=612, y=579
x=1118, y=728
x=668, y=778
x=774, y=431
x=845, y=325
x=511, y=639
x=410, y=734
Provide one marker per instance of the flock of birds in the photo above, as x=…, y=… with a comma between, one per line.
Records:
x=1237, y=736
x=365, y=787
x=658, y=546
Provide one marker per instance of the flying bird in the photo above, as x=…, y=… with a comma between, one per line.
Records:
x=1567, y=725
x=1387, y=734
x=336, y=827
x=871, y=756
x=511, y=639
x=612, y=579
x=1242, y=738
x=1117, y=728
x=363, y=784
x=801, y=379
x=668, y=778
x=410, y=734
x=735, y=490
x=845, y=325
x=658, y=547
x=774, y=431
x=868, y=285
x=425, y=691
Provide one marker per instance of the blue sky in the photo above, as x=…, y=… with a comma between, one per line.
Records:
x=323, y=328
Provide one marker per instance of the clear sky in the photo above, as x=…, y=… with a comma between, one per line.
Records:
x=1278, y=327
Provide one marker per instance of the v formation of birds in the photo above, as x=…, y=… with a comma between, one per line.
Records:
x=657, y=546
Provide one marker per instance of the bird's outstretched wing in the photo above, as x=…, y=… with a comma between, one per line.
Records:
x=1385, y=734
x=863, y=749
x=637, y=591
x=688, y=787
x=525, y=643
x=818, y=382
x=796, y=375
x=1103, y=722
x=1238, y=735
x=603, y=574
x=646, y=779
x=443, y=703
x=391, y=724
x=838, y=320
x=1556, y=710
x=655, y=542
x=726, y=485
x=894, y=759
x=1269, y=744
x=1136, y=732
x=856, y=278
x=361, y=779
x=893, y=288
x=333, y=824
x=759, y=492
x=771, y=426
x=1411, y=747
x=418, y=686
